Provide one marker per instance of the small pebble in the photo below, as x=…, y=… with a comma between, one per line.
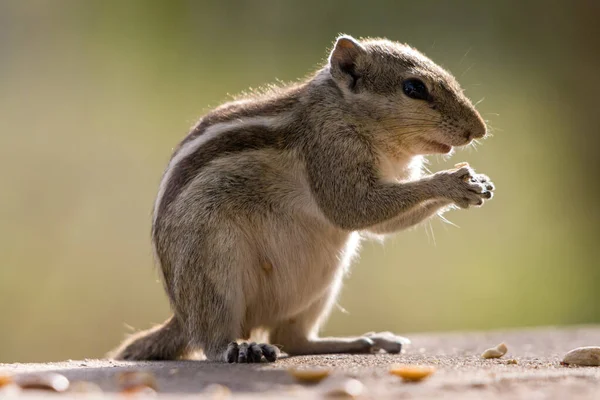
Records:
x=584, y=356
x=216, y=391
x=495, y=352
x=347, y=387
x=43, y=381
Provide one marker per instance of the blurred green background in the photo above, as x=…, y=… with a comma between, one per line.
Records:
x=94, y=95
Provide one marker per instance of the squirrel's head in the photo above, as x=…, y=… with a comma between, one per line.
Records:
x=416, y=106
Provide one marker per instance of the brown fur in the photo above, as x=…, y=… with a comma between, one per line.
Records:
x=162, y=342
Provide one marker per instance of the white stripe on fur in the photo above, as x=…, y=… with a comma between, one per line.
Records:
x=210, y=133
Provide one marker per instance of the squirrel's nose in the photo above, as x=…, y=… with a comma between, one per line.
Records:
x=474, y=127
x=475, y=133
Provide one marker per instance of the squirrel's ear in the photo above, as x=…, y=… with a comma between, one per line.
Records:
x=344, y=55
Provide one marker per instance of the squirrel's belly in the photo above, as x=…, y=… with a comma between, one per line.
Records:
x=291, y=278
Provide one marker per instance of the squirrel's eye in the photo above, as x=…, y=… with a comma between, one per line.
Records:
x=415, y=89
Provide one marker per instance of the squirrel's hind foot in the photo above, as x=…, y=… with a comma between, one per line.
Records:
x=250, y=352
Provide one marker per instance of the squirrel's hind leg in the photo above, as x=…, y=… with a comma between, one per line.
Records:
x=298, y=335
x=209, y=291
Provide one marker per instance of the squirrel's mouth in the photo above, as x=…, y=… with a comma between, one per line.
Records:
x=438, y=148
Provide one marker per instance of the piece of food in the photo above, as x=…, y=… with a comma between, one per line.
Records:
x=6, y=380
x=43, y=381
x=84, y=387
x=312, y=375
x=495, y=352
x=412, y=373
x=10, y=391
x=137, y=379
x=142, y=390
x=585, y=356
x=216, y=391
x=512, y=362
x=346, y=387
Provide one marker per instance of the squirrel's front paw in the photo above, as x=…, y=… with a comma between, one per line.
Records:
x=466, y=188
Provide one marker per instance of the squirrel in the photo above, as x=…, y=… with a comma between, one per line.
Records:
x=263, y=204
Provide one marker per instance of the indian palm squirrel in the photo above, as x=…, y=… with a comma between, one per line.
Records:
x=263, y=205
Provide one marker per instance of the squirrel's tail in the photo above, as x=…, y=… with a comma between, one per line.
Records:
x=162, y=342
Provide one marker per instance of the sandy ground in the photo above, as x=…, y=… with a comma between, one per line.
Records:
x=461, y=372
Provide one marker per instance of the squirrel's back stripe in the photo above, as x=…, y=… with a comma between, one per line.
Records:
x=216, y=140
x=243, y=109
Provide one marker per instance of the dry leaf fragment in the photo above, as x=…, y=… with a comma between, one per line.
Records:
x=495, y=352
x=412, y=373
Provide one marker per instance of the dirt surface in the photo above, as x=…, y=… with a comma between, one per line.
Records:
x=461, y=372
